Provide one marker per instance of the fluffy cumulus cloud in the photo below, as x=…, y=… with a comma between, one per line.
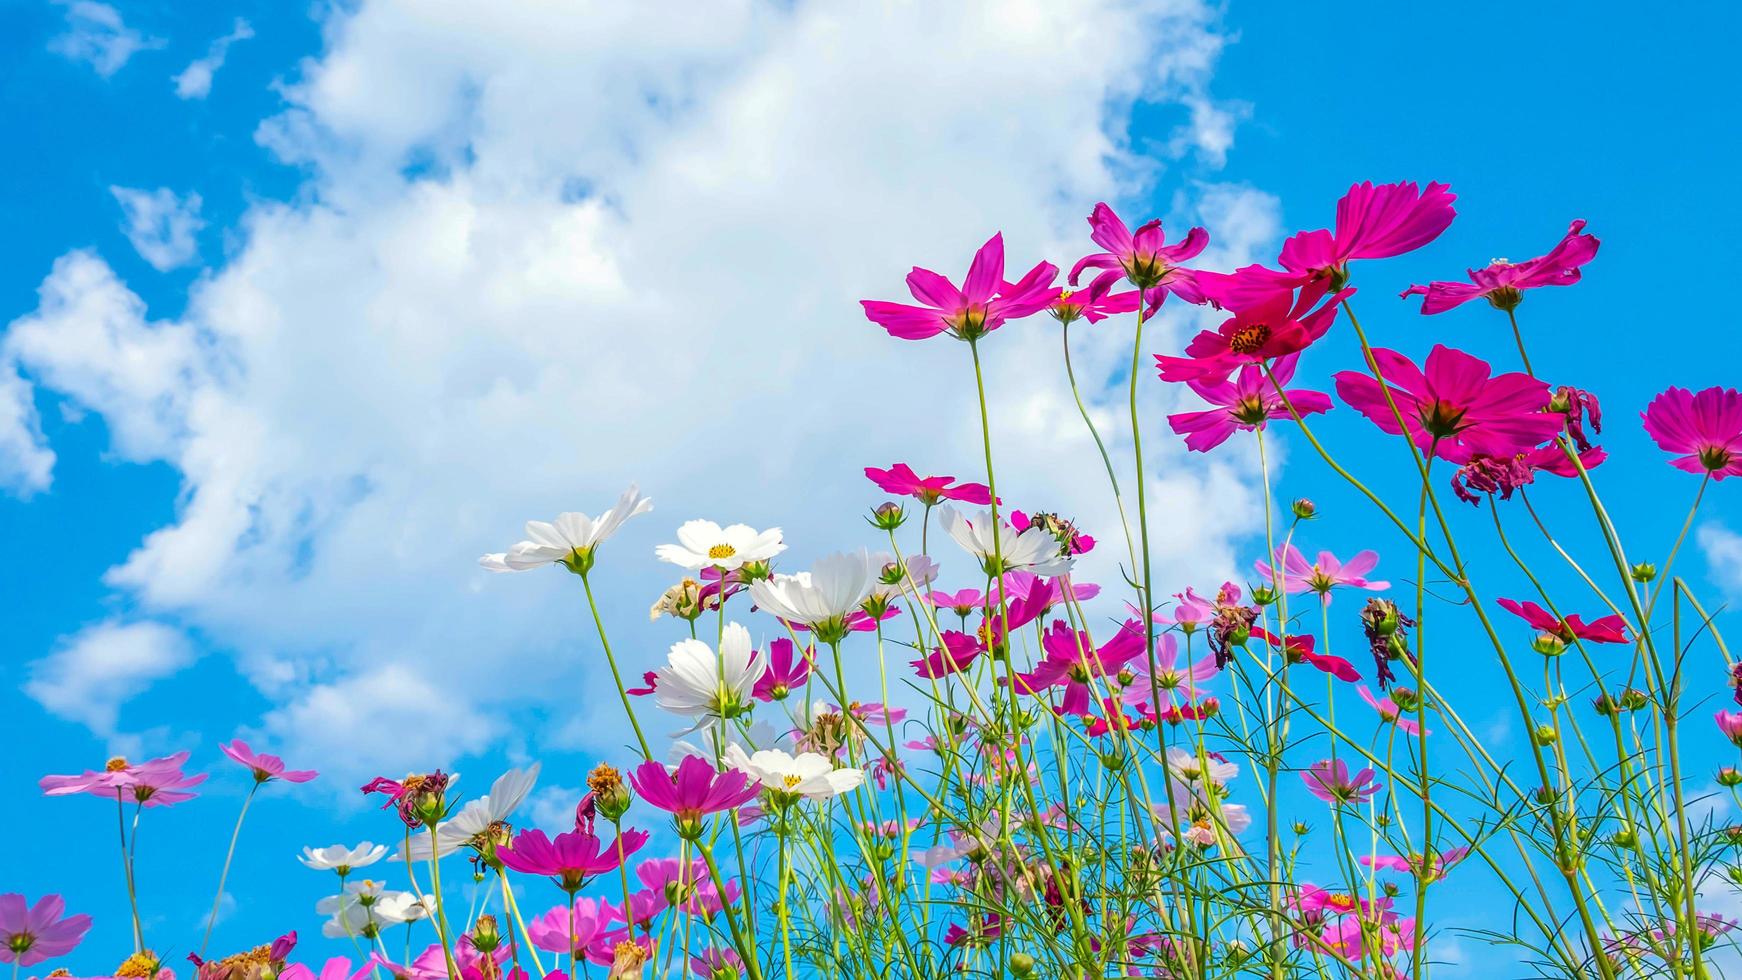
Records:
x=97, y=35
x=93, y=673
x=161, y=224
x=1723, y=550
x=195, y=81
x=544, y=252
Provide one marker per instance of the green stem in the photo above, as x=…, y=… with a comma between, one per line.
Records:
x=218, y=899
x=616, y=676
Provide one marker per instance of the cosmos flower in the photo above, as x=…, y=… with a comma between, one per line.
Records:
x=1267, y=327
x=1389, y=712
x=983, y=304
x=1453, y=404
x=1705, y=428
x=156, y=782
x=1503, y=282
x=570, y=540
x=1244, y=402
x=698, y=683
x=1170, y=676
x=344, y=860
x=1094, y=304
x=336, y=968
x=1299, y=649
x=264, y=767
x=30, y=934
x=419, y=798
x=1608, y=629
x=480, y=823
x=1331, y=781
x=1325, y=573
x=1188, y=767
x=1435, y=868
x=587, y=920
x=571, y=858
x=900, y=479
x=684, y=886
x=784, y=672
x=704, y=544
x=1033, y=550
x=693, y=790
x=823, y=597
x=1072, y=661
x=809, y=775
x=1730, y=723
x=955, y=654
x=1373, y=222
x=1143, y=258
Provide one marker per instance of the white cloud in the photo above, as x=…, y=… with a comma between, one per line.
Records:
x=92, y=674
x=544, y=252
x=26, y=462
x=195, y=81
x=97, y=35
x=1723, y=550
x=161, y=224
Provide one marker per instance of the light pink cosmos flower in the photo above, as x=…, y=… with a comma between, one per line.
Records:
x=337, y=968
x=119, y=776
x=982, y=305
x=1244, y=403
x=1269, y=326
x=30, y=934
x=1705, y=428
x=1190, y=611
x=718, y=963
x=586, y=921
x=1503, y=283
x=1390, y=712
x=693, y=790
x=962, y=603
x=1435, y=868
x=1608, y=629
x=1373, y=222
x=265, y=767
x=1730, y=723
x=571, y=858
x=900, y=479
x=1143, y=258
x=1324, y=574
x=1170, y=676
x=1331, y=781
x=1453, y=404
x=685, y=887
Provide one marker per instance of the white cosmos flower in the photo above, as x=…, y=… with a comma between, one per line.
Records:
x=338, y=857
x=703, y=543
x=1188, y=767
x=704, y=685
x=1032, y=550
x=808, y=774
x=823, y=596
x=569, y=539
x=398, y=907
x=506, y=793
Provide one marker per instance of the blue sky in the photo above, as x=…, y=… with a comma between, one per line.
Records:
x=375, y=405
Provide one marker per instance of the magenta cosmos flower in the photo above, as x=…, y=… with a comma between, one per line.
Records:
x=265, y=767
x=1244, y=402
x=901, y=479
x=1143, y=258
x=1071, y=661
x=1094, y=304
x=954, y=655
x=1503, y=283
x=1730, y=723
x=1324, y=573
x=1299, y=650
x=1373, y=222
x=1332, y=782
x=30, y=934
x=1453, y=404
x=784, y=672
x=1271, y=325
x=571, y=858
x=981, y=306
x=692, y=791
x=1705, y=428
x=1609, y=629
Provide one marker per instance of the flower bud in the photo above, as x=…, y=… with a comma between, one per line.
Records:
x=1301, y=828
x=1304, y=509
x=1239, y=635
x=610, y=792
x=1549, y=645
x=1114, y=760
x=887, y=516
x=485, y=935
x=1633, y=699
x=1625, y=837
x=1021, y=965
x=1405, y=698
x=1263, y=595
x=1643, y=572
x=754, y=571
x=1729, y=776
x=1545, y=735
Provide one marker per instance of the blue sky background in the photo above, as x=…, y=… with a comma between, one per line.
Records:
x=1533, y=115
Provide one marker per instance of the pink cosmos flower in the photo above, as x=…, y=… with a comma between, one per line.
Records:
x=587, y=920
x=717, y=963
x=157, y=782
x=1299, y=650
x=982, y=305
x=1094, y=304
x=1454, y=405
x=1436, y=865
x=1071, y=540
x=1031, y=593
x=1071, y=661
x=1373, y=222
x=1730, y=723
x=961, y=603
x=1143, y=258
x=1170, y=676
x=1190, y=611
x=1506, y=475
x=1244, y=403
x=900, y=479
x=1389, y=711
x=954, y=655
x=1609, y=629
x=1330, y=780
x=693, y=790
x=265, y=767
x=784, y=671
x=1269, y=326
x=571, y=858
x=688, y=888
x=1706, y=429
x=431, y=964
x=1503, y=283
x=30, y=934
x=337, y=968
x=276, y=954
x=1324, y=574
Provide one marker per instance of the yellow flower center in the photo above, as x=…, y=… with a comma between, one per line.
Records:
x=115, y=765
x=1249, y=338
x=791, y=780
x=722, y=551
x=140, y=964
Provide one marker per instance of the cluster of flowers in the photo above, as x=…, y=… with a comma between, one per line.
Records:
x=1070, y=804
